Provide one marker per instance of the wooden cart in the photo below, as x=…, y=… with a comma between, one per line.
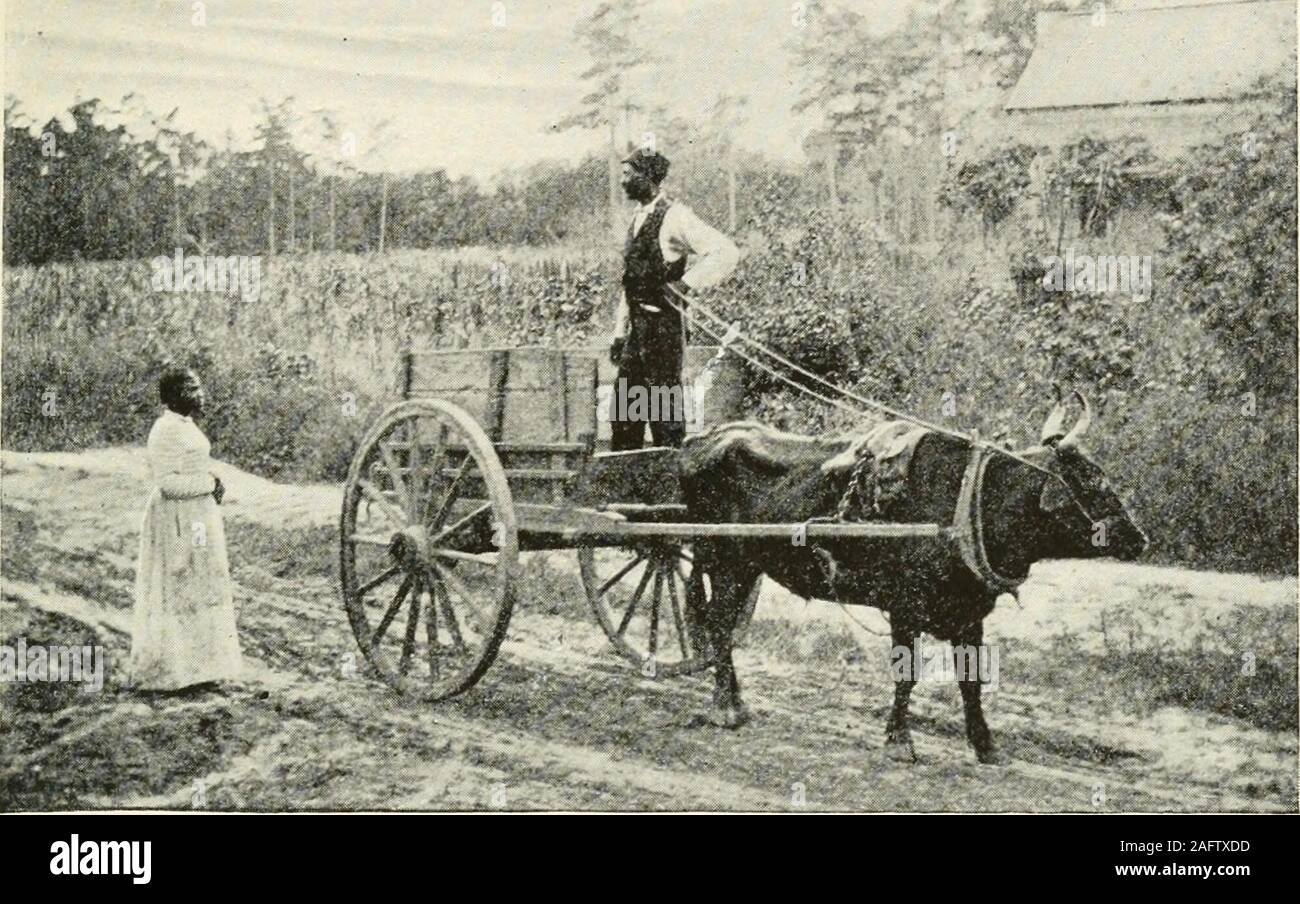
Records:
x=493, y=453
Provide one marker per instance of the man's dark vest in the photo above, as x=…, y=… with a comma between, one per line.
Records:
x=645, y=272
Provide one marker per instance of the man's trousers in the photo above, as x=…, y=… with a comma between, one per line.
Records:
x=648, y=388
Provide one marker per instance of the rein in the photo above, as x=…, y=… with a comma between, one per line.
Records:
x=698, y=307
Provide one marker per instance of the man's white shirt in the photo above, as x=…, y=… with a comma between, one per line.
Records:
x=713, y=255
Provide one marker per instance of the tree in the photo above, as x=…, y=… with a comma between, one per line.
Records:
x=949, y=61
x=25, y=201
x=333, y=158
x=374, y=153
x=829, y=53
x=178, y=155
x=274, y=133
x=726, y=116
x=609, y=37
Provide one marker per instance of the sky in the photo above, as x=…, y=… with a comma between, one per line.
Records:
x=469, y=86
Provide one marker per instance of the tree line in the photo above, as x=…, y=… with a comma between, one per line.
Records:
x=85, y=185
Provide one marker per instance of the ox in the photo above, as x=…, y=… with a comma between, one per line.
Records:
x=1060, y=506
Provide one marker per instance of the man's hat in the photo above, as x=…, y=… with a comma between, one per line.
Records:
x=651, y=164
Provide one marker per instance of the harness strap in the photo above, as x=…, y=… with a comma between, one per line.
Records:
x=968, y=517
x=968, y=524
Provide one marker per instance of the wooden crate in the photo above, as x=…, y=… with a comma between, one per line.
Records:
x=527, y=395
x=538, y=395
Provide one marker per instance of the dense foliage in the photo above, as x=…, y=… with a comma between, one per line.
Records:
x=1233, y=241
x=991, y=184
x=84, y=186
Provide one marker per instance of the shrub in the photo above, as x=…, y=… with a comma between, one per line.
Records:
x=811, y=291
x=990, y=185
x=1233, y=243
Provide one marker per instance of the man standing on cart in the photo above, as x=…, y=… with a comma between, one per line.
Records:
x=649, y=332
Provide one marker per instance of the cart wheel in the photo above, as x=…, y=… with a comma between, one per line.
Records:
x=638, y=595
x=428, y=533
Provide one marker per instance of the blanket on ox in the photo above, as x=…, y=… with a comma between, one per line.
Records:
x=886, y=449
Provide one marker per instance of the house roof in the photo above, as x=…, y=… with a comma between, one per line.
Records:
x=1146, y=56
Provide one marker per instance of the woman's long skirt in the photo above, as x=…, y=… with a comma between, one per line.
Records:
x=184, y=619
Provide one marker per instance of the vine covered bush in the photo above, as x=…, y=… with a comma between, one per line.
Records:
x=1233, y=247
x=822, y=288
x=990, y=185
x=1101, y=177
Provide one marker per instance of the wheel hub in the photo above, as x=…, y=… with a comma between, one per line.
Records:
x=409, y=548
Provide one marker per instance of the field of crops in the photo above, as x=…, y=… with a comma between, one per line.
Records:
x=294, y=372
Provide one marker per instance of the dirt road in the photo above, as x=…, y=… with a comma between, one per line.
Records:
x=561, y=723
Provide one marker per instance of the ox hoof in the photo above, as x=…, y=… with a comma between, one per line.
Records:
x=731, y=717
x=900, y=750
x=992, y=756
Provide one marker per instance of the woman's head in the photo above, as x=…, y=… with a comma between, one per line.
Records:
x=180, y=390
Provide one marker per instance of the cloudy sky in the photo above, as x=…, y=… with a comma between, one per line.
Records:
x=469, y=85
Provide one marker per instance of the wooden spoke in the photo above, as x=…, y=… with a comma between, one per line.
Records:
x=453, y=493
x=452, y=582
x=485, y=558
x=368, y=539
x=376, y=581
x=413, y=471
x=441, y=579
x=655, y=598
x=431, y=630
x=399, y=483
x=435, y=471
x=622, y=573
x=391, y=612
x=636, y=598
x=412, y=625
x=460, y=524
x=678, y=621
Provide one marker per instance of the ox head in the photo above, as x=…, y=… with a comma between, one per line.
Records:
x=1087, y=517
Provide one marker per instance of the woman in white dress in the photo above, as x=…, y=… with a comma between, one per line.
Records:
x=184, y=632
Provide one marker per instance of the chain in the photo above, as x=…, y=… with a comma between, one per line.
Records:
x=857, y=489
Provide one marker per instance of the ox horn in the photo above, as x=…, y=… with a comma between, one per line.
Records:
x=1081, y=426
x=1054, y=426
